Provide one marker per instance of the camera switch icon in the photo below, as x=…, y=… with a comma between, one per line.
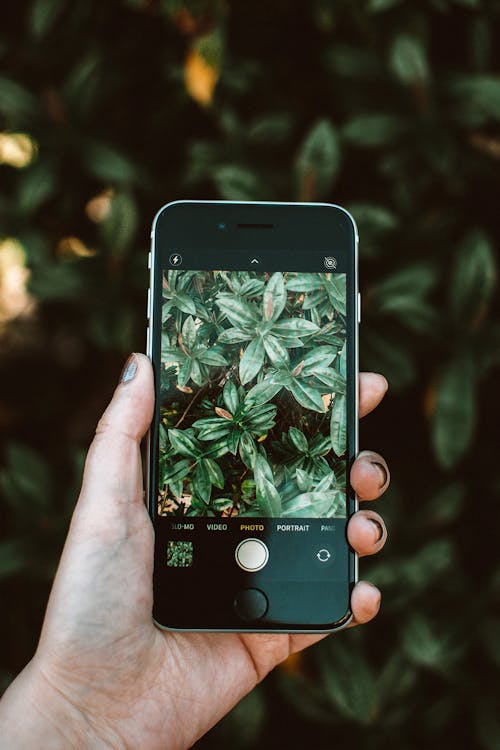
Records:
x=323, y=555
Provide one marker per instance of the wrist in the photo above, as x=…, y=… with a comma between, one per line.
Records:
x=34, y=714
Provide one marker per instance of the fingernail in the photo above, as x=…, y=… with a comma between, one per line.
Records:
x=378, y=529
x=129, y=369
x=382, y=472
x=378, y=592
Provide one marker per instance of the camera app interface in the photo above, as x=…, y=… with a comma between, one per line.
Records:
x=253, y=395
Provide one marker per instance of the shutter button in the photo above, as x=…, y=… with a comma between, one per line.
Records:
x=251, y=555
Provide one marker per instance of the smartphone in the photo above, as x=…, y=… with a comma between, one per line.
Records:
x=252, y=331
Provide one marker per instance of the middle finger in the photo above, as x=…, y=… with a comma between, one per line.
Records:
x=370, y=475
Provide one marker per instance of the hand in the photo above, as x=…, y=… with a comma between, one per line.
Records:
x=103, y=675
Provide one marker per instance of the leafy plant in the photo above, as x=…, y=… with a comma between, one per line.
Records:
x=251, y=360
x=391, y=108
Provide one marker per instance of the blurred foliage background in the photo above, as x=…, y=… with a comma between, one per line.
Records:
x=392, y=108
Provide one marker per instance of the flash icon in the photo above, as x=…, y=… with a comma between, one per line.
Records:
x=330, y=263
x=175, y=259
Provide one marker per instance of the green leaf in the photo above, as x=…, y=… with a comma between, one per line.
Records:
x=318, y=160
x=212, y=358
x=414, y=281
x=335, y=285
x=320, y=445
x=307, y=396
x=184, y=443
x=319, y=355
x=349, y=683
x=36, y=186
x=298, y=439
x=274, y=350
x=213, y=429
x=260, y=416
x=232, y=441
x=373, y=130
x=184, y=372
x=326, y=482
x=221, y=503
x=236, y=183
x=252, y=360
x=338, y=424
x=263, y=392
x=445, y=506
x=108, y=164
x=304, y=480
x=271, y=129
x=274, y=298
x=217, y=448
x=237, y=310
x=424, y=646
x=248, y=450
x=252, y=288
x=409, y=60
x=473, y=279
x=177, y=472
x=233, y=336
x=17, y=104
x=354, y=61
x=214, y=472
x=295, y=326
x=268, y=497
x=379, y=6
x=477, y=98
x=311, y=504
x=201, y=485
x=198, y=506
x=183, y=302
x=231, y=398
x=330, y=379
x=81, y=85
x=43, y=16
x=454, y=417
x=304, y=282
x=119, y=228
x=373, y=219
x=189, y=332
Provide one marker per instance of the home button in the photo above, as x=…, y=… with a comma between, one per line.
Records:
x=250, y=604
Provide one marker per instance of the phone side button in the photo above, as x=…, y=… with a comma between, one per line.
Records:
x=250, y=604
x=359, y=307
x=148, y=309
x=148, y=333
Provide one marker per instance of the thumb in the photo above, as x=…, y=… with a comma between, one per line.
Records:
x=113, y=475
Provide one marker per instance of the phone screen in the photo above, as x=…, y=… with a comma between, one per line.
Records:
x=253, y=407
x=253, y=351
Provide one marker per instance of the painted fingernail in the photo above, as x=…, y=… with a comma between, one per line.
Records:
x=382, y=472
x=129, y=369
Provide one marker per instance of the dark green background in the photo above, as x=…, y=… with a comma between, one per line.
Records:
x=390, y=108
